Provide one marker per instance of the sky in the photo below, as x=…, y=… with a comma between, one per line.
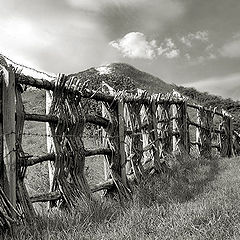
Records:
x=195, y=43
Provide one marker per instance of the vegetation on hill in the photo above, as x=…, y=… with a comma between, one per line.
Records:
x=122, y=76
x=209, y=100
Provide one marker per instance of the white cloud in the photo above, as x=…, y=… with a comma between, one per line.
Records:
x=135, y=45
x=173, y=53
x=188, y=40
x=168, y=49
x=231, y=49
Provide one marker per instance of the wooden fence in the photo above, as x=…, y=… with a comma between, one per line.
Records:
x=138, y=131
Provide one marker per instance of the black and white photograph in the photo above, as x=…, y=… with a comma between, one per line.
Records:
x=119, y=119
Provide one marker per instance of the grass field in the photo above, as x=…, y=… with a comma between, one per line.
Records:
x=198, y=199
x=200, y=202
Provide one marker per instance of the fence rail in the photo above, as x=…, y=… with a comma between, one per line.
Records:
x=137, y=129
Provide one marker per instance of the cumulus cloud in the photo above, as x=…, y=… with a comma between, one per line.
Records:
x=188, y=40
x=231, y=49
x=173, y=53
x=135, y=45
x=168, y=49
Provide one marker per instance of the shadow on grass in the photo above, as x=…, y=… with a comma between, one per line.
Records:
x=183, y=178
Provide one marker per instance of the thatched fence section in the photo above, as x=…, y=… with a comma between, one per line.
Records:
x=138, y=130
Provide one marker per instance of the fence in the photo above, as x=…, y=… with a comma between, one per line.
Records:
x=138, y=131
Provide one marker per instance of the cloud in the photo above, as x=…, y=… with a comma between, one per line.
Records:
x=198, y=47
x=173, y=53
x=225, y=86
x=231, y=49
x=135, y=45
x=188, y=40
x=168, y=49
x=45, y=33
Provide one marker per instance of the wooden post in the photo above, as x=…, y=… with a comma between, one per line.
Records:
x=174, y=128
x=230, y=153
x=50, y=145
x=9, y=131
x=128, y=139
x=111, y=91
x=145, y=134
x=2, y=172
x=198, y=139
x=226, y=136
x=183, y=126
x=156, y=150
x=121, y=129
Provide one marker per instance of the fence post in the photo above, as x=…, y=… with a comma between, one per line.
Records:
x=155, y=137
x=50, y=146
x=104, y=132
x=174, y=128
x=183, y=126
x=230, y=154
x=198, y=139
x=9, y=131
x=121, y=130
x=226, y=136
x=2, y=172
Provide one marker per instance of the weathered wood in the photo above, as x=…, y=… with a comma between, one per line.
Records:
x=200, y=126
x=206, y=120
x=9, y=109
x=22, y=194
x=50, y=145
x=46, y=197
x=155, y=137
x=94, y=119
x=108, y=184
x=105, y=114
x=183, y=126
x=136, y=146
x=226, y=137
x=51, y=156
x=174, y=128
x=199, y=107
x=113, y=142
x=2, y=166
x=86, y=93
x=121, y=133
x=231, y=152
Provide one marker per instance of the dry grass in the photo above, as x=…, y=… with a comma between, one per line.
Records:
x=197, y=199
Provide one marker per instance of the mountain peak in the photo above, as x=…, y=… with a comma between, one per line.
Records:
x=122, y=76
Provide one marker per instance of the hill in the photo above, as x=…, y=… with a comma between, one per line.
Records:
x=209, y=100
x=122, y=76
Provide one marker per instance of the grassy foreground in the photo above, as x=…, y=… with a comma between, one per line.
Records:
x=199, y=199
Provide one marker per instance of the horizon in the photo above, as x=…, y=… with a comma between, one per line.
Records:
x=189, y=43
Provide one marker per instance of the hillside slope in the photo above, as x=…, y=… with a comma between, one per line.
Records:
x=122, y=76
x=209, y=100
